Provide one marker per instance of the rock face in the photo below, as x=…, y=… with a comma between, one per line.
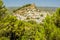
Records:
x=30, y=12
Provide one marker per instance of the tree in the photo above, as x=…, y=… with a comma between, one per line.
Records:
x=51, y=26
x=1, y=4
x=3, y=10
x=16, y=29
x=57, y=20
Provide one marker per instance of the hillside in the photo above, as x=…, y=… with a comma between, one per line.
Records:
x=30, y=12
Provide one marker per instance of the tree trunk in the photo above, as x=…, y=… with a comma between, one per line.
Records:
x=12, y=36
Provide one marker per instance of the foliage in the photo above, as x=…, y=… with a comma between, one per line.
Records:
x=23, y=7
x=21, y=29
x=52, y=26
x=1, y=3
x=13, y=29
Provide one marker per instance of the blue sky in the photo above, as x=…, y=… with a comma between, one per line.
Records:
x=41, y=3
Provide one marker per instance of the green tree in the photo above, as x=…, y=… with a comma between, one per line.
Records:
x=51, y=25
x=3, y=10
x=16, y=29
x=1, y=3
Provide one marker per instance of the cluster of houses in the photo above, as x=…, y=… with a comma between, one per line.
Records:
x=30, y=13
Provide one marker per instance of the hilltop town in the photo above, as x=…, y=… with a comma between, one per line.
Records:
x=30, y=12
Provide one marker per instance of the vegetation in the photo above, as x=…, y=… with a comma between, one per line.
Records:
x=13, y=29
x=22, y=7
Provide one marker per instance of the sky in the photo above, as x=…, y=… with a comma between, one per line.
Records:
x=39, y=3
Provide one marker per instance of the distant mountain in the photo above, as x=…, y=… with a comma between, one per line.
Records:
x=47, y=8
x=40, y=8
x=12, y=8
